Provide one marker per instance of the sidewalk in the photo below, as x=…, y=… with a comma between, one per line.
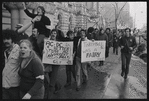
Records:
x=132, y=88
x=109, y=67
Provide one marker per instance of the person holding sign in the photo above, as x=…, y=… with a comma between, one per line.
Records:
x=54, y=72
x=81, y=66
x=102, y=36
x=71, y=68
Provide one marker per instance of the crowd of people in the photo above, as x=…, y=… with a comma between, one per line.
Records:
x=24, y=76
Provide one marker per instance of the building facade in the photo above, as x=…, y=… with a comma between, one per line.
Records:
x=66, y=14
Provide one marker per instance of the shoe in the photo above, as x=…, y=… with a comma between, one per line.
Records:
x=67, y=84
x=125, y=77
x=77, y=89
x=122, y=74
x=56, y=91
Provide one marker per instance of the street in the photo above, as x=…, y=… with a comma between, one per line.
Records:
x=99, y=87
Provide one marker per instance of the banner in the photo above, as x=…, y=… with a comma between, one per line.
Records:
x=93, y=51
x=58, y=53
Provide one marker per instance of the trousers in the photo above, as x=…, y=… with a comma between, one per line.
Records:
x=10, y=93
x=70, y=69
x=125, y=57
x=81, y=66
x=115, y=50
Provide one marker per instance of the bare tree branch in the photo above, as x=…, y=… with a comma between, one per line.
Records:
x=121, y=10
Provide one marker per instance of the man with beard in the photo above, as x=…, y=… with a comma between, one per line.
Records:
x=33, y=39
x=10, y=77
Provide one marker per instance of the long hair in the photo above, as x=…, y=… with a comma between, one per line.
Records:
x=42, y=8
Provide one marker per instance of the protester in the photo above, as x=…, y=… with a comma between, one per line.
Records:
x=31, y=73
x=127, y=44
x=102, y=36
x=79, y=32
x=75, y=31
x=81, y=66
x=70, y=68
x=33, y=39
x=115, y=43
x=10, y=77
x=54, y=85
x=60, y=34
x=43, y=24
x=90, y=34
x=110, y=40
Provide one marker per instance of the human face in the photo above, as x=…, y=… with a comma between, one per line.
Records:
x=35, y=32
x=108, y=31
x=79, y=29
x=127, y=33
x=102, y=31
x=71, y=36
x=24, y=50
x=39, y=11
x=76, y=29
x=82, y=34
x=53, y=35
x=8, y=43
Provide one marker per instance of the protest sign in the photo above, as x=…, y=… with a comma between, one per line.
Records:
x=59, y=53
x=93, y=51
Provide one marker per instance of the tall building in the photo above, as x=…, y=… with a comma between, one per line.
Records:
x=67, y=14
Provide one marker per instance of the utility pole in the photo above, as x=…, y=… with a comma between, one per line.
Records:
x=135, y=20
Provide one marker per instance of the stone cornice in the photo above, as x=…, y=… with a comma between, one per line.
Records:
x=11, y=5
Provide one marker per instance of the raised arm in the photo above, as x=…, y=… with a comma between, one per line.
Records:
x=27, y=12
x=25, y=27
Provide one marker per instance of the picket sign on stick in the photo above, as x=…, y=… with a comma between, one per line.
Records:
x=93, y=51
x=58, y=53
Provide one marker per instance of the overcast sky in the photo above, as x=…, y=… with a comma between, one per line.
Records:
x=140, y=9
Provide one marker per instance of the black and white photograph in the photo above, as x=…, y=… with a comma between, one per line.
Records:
x=74, y=50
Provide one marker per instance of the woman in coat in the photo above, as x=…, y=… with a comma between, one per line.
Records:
x=31, y=73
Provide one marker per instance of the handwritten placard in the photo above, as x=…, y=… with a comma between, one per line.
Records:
x=93, y=51
x=58, y=53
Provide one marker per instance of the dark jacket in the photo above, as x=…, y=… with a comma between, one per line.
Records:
x=75, y=42
x=33, y=68
x=102, y=37
x=90, y=36
x=60, y=35
x=33, y=40
x=40, y=25
x=110, y=39
x=128, y=42
x=115, y=41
